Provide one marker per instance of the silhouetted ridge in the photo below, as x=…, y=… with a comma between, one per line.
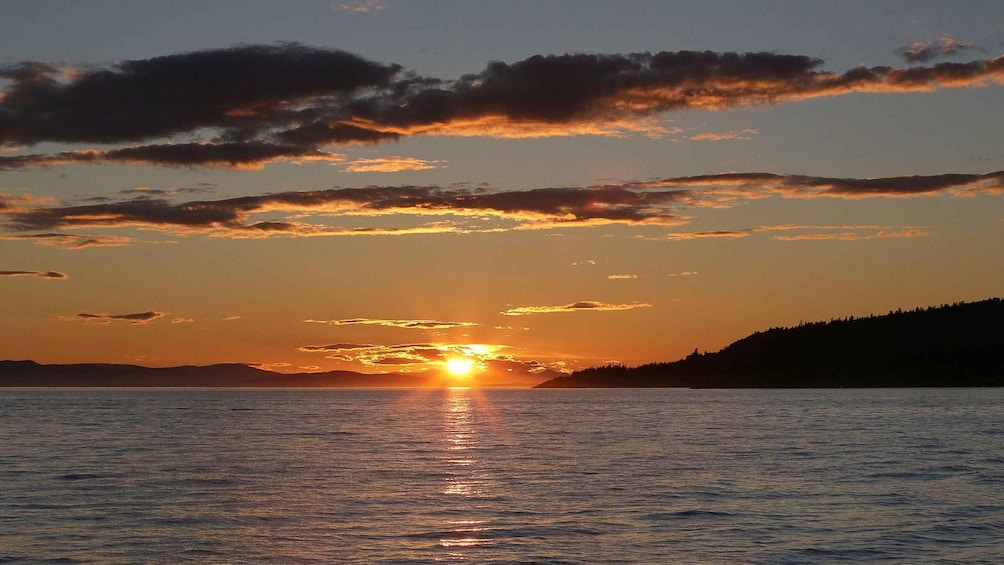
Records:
x=32, y=374
x=951, y=345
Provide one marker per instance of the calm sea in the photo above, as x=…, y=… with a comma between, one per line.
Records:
x=516, y=476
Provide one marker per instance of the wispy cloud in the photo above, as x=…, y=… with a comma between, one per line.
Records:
x=683, y=274
x=661, y=202
x=581, y=306
x=543, y=207
x=622, y=277
x=285, y=102
x=712, y=234
x=51, y=275
x=71, y=241
x=234, y=155
x=796, y=232
x=757, y=184
x=406, y=324
x=138, y=319
x=497, y=358
x=741, y=135
x=922, y=52
x=392, y=165
x=181, y=320
x=362, y=6
x=853, y=235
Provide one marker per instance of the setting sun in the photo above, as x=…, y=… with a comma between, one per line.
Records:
x=459, y=367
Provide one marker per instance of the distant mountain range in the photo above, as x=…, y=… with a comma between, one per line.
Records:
x=32, y=374
x=952, y=345
x=29, y=373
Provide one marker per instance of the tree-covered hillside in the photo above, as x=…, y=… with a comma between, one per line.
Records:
x=960, y=344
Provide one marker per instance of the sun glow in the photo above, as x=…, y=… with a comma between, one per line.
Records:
x=459, y=367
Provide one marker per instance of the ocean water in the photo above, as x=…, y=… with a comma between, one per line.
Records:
x=513, y=476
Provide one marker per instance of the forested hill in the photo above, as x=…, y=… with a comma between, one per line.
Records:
x=953, y=345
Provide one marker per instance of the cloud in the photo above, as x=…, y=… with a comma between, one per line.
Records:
x=622, y=277
x=497, y=359
x=147, y=192
x=362, y=6
x=391, y=165
x=231, y=318
x=180, y=320
x=658, y=202
x=853, y=235
x=581, y=306
x=741, y=135
x=530, y=209
x=138, y=319
x=284, y=102
x=944, y=46
x=683, y=274
x=406, y=324
x=71, y=241
x=238, y=90
x=796, y=232
x=400, y=354
x=757, y=184
x=715, y=234
x=244, y=155
x=51, y=275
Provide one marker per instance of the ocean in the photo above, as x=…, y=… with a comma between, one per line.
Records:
x=507, y=476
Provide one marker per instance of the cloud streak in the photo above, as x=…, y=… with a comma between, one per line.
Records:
x=137, y=319
x=285, y=102
x=487, y=357
x=391, y=165
x=923, y=52
x=757, y=184
x=405, y=324
x=50, y=275
x=541, y=207
x=795, y=232
x=661, y=202
x=71, y=241
x=581, y=306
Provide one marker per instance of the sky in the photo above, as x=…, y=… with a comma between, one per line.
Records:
x=383, y=186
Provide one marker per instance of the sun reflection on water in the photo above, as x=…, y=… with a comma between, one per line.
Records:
x=466, y=476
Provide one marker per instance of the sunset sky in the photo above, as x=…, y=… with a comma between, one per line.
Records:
x=383, y=186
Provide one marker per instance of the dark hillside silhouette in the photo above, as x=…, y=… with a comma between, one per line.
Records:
x=31, y=374
x=960, y=344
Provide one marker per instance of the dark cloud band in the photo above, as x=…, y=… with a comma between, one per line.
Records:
x=263, y=103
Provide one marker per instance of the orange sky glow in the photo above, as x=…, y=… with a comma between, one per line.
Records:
x=492, y=211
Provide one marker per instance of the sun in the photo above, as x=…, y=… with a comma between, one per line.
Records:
x=459, y=366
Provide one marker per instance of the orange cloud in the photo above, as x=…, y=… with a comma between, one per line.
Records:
x=852, y=235
x=622, y=277
x=944, y=46
x=71, y=241
x=581, y=306
x=406, y=324
x=391, y=165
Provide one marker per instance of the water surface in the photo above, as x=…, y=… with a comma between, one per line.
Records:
x=520, y=476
